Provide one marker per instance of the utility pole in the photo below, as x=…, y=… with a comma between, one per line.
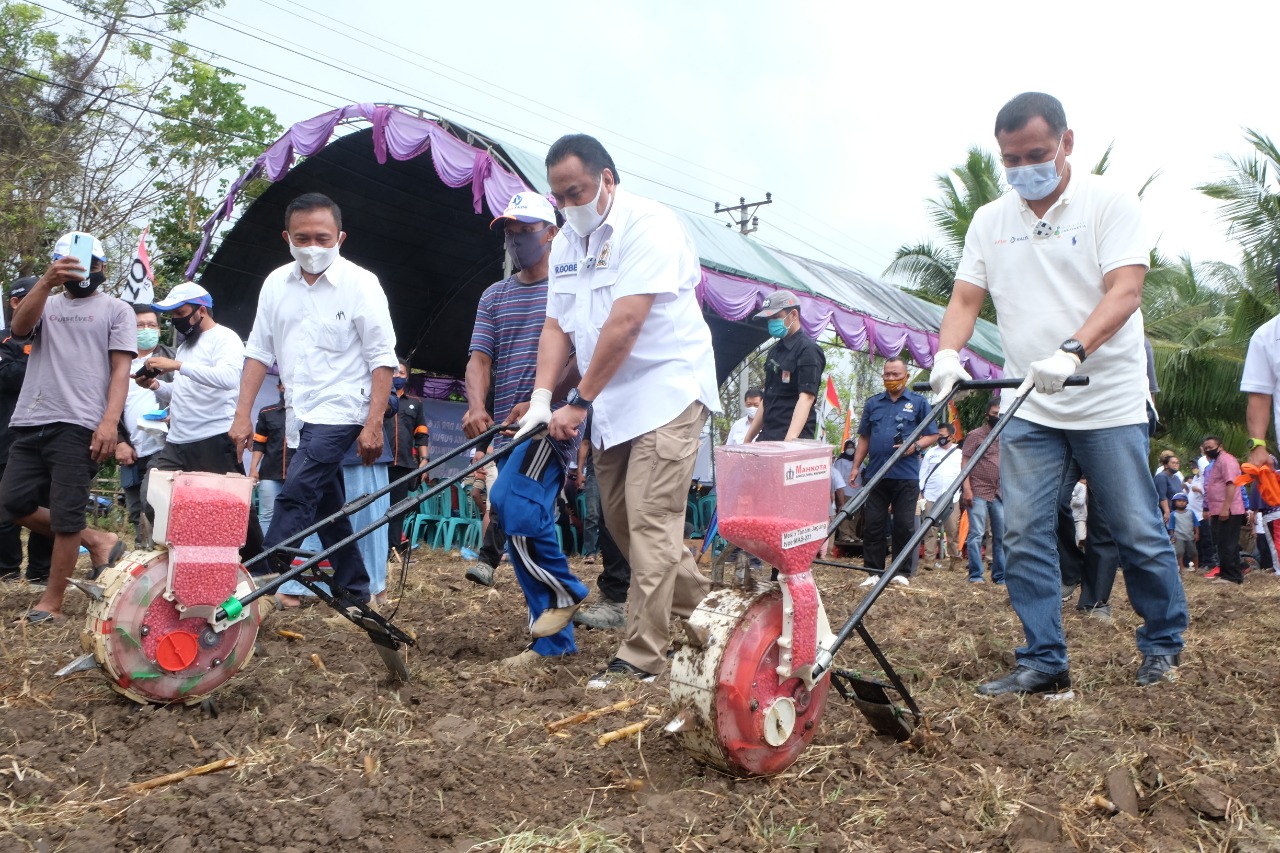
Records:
x=748, y=222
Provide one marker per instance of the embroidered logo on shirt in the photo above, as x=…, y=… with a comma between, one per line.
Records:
x=602, y=258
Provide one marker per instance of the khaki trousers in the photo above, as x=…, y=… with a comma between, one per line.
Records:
x=644, y=486
x=933, y=542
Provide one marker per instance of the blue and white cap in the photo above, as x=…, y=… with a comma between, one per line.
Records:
x=186, y=292
x=527, y=206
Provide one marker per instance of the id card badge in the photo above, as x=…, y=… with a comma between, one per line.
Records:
x=786, y=376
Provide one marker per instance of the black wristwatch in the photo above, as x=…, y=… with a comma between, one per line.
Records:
x=1074, y=347
x=576, y=399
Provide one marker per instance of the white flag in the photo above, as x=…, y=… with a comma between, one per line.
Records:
x=139, y=288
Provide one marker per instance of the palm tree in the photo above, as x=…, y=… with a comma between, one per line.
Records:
x=931, y=268
x=1200, y=318
x=1252, y=196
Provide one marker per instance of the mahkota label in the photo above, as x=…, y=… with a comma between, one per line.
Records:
x=806, y=471
x=802, y=535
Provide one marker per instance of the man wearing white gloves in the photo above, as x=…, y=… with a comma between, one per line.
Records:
x=623, y=273
x=1064, y=258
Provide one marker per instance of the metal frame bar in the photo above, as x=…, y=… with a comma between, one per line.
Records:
x=933, y=517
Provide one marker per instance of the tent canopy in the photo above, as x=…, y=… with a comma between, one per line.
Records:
x=413, y=191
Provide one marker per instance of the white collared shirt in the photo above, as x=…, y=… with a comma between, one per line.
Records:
x=938, y=470
x=738, y=432
x=327, y=338
x=138, y=402
x=640, y=249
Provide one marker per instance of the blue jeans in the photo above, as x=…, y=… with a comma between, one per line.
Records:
x=1034, y=462
x=982, y=511
x=591, y=523
x=268, y=491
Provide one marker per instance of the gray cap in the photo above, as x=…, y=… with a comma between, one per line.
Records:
x=779, y=300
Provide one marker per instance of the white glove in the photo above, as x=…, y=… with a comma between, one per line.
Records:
x=539, y=411
x=1048, y=374
x=946, y=372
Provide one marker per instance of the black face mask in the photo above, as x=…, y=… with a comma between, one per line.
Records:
x=81, y=289
x=991, y=419
x=188, y=327
x=943, y=441
x=1213, y=454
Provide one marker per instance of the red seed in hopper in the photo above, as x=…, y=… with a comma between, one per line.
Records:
x=204, y=575
x=201, y=516
x=763, y=536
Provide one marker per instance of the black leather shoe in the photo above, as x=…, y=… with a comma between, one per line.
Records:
x=1026, y=680
x=1157, y=668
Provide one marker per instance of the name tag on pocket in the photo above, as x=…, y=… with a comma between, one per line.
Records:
x=566, y=269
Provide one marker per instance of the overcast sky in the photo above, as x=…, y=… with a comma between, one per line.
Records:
x=844, y=111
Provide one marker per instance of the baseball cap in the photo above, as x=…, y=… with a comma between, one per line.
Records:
x=22, y=286
x=63, y=246
x=525, y=207
x=779, y=300
x=186, y=292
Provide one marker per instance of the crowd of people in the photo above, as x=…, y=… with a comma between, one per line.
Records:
x=596, y=358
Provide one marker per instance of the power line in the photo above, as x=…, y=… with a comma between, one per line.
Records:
x=283, y=45
x=834, y=236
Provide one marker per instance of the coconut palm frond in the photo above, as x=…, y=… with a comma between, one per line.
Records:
x=1100, y=168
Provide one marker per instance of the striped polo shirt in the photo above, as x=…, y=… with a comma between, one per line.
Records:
x=509, y=322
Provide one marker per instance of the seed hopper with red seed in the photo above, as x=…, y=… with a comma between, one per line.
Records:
x=173, y=624
x=751, y=677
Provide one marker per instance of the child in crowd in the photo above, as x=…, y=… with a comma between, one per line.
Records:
x=1184, y=532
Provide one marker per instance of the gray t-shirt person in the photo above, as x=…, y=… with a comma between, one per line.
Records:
x=70, y=366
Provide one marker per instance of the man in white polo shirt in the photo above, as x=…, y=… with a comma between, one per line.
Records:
x=1063, y=259
x=623, y=273
x=325, y=321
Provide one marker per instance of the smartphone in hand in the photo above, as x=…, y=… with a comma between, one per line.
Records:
x=82, y=249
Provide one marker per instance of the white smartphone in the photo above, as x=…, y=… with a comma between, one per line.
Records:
x=82, y=249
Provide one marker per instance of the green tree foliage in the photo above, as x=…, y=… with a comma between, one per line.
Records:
x=207, y=130
x=930, y=268
x=103, y=131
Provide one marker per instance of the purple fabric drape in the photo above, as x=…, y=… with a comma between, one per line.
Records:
x=437, y=387
x=402, y=136
x=397, y=134
x=736, y=298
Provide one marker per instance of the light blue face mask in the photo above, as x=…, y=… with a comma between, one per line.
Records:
x=777, y=327
x=1036, y=181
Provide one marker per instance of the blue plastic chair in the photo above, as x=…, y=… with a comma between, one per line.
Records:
x=465, y=525
x=425, y=523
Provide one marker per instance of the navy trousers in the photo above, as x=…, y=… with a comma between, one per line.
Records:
x=313, y=489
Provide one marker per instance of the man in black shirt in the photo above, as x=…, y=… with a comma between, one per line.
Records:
x=406, y=432
x=271, y=455
x=13, y=369
x=792, y=374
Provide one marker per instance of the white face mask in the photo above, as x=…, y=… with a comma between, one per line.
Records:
x=751, y=412
x=314, y=259
x=584, y=218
